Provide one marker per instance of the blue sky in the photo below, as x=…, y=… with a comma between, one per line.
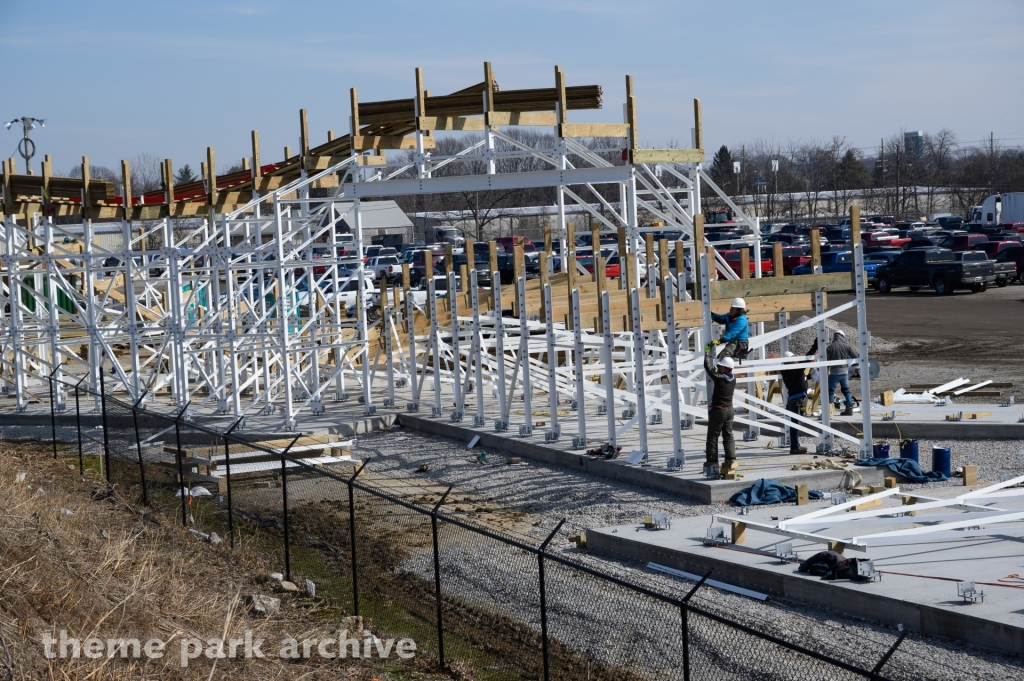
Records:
x=119, y=78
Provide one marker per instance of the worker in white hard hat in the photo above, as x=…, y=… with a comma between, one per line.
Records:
x=720, y=414
x=838, y=374
x=736, y=336
x=795, y=380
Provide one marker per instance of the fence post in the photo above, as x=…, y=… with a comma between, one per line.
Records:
x=684, y=608
x=182, y=485
x=227, y=477
x=78, y=423
x=437, y=578
x=138, y=448
x=352, y=534
x=284, y=504
x=106, y=436
x=543, y=598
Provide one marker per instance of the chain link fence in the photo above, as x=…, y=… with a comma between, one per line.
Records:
x=475, y=600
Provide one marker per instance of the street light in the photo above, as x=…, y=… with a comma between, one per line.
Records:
x=26, y=147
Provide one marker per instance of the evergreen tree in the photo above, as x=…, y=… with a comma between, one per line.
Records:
x=722, y=172
x=851, y=173
x=185, y=175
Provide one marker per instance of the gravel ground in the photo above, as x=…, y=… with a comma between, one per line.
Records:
x=802, y=340
x=547, y=494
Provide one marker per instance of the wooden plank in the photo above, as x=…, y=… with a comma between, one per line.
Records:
x=667, y=155
x=450, y=123
x=368, y=142
x=593, y=130
x=769, y=286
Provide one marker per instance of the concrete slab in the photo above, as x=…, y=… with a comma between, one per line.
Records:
x=928, y=422
x=755, y=462
x=923, y=597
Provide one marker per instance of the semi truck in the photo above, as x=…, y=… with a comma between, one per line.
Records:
x=443, y=234
x=999, y=209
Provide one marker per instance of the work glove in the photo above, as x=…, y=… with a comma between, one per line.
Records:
x=716, y=342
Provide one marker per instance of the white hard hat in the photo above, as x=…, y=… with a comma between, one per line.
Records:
x=727, y=362
x=787, y=353
x=740, y=303
x=839, y=332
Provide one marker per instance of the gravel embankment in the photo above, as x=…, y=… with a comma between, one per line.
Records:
x=497, y=496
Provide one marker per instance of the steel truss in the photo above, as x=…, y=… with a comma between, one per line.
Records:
x=240, y=313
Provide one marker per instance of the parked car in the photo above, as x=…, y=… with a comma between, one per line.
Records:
x=792, y=257
x=883, y=238
x=509, y=242
x=963, y=242
x=873, y=260
x=923, y=242
x=1005, y=271
x=348, y=290
x=481, y=263
x=934, y=267
x=833, y=261
x=733, y=258
x=1005, y=252
x=385, y=267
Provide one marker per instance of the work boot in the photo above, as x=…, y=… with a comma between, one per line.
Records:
x=848, y=411
x=798, y=450
x=728, y=467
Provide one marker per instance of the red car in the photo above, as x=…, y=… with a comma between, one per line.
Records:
x=733, y=258
x=882, y=237
x=509, y=242
x=612, y=268
x=792, y=256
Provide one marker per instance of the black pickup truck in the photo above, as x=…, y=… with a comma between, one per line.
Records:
x=935, y=267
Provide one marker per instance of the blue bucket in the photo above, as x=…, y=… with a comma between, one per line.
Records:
x=881, y=451
x=908, y=450
x=941, y=459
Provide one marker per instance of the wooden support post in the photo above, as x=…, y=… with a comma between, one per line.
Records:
x=837, y=546
x=739, y=532
x=126, y=187
x=353, y=97
x=560, y=88
x=815, y=250
x=698, y=126
x=631, y=118
x=712, y=267
x=211, y=177
x=303, y=134
x=421, y=97
x=970, y=475
x=802, y=495
x=330, y=135
x=86, y=200
x=256, y=170
x=570, y=239
x=570, y=280
x=663, y=269
x=602, y=285
x=744, y=263
x=168, y=171
x=449, y=260
x=488, y=87
x=287, y=152
x=547, y=242
x=777, y=264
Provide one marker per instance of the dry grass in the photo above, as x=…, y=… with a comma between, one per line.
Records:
x=79, y=556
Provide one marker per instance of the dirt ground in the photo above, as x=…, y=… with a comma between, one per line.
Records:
x=974, y=335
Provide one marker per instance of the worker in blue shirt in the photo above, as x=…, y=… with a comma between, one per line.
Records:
x=737, y=333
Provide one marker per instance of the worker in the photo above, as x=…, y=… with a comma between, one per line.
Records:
x=736, y=335
x=720, y=414
x=795, y=381
x=838, y=375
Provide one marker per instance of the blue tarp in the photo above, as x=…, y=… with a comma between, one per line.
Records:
x=908, y=468
x=768, y=492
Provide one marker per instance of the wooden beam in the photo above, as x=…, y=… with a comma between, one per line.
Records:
x=667, y=155
x=815, y=249
x=744, y=263
x=777, y=265
x=211, y=176
x=634, y=143
x=421, y=98
x=368, y=142
x=593, y=130
x=835, y=282
x=168, y=168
